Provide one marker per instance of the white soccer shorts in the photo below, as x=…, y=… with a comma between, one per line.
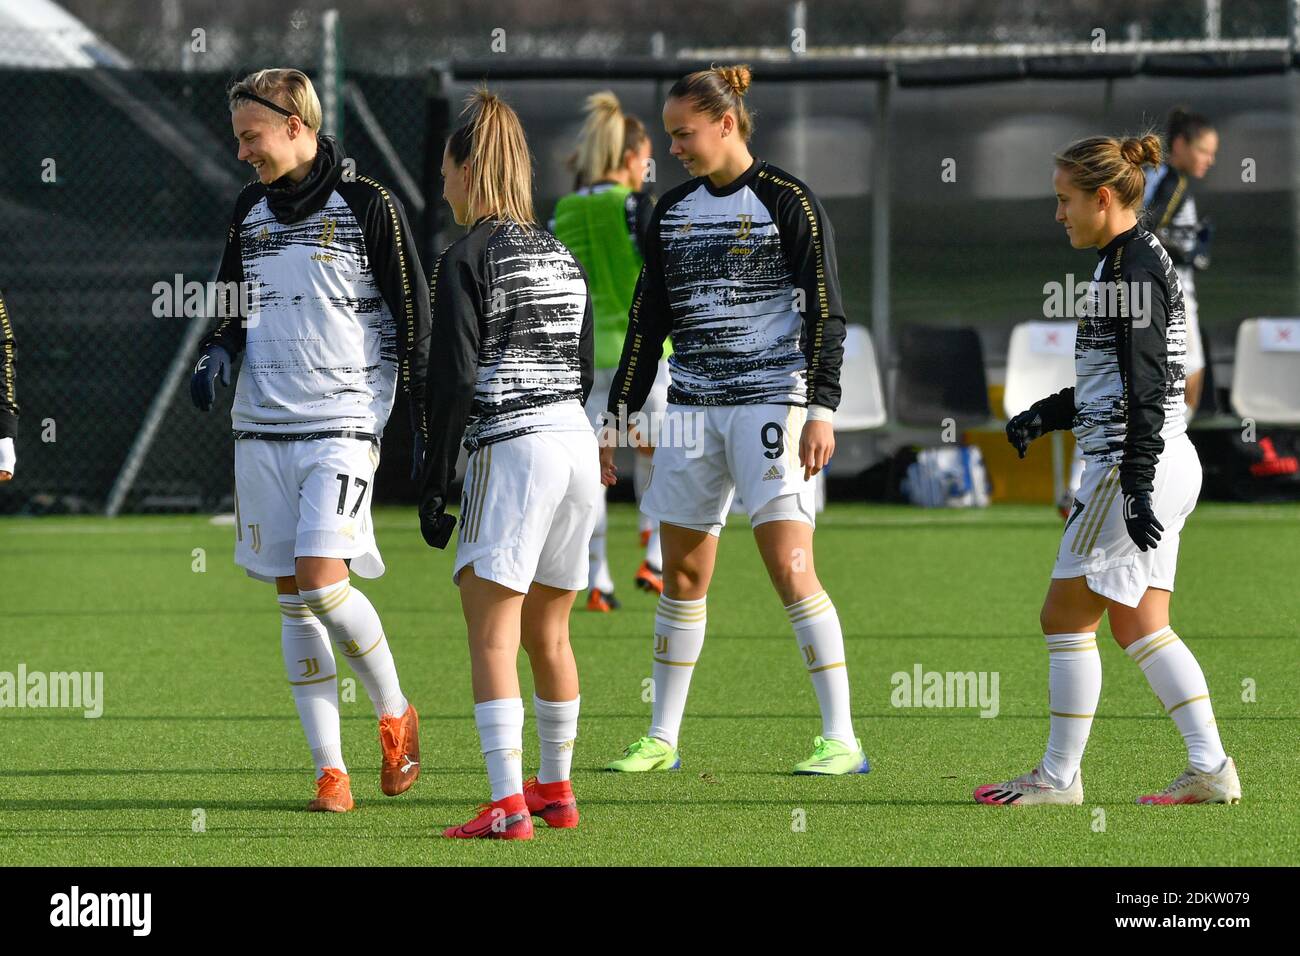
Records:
x=304, y=499
x=528, y=508
x=705, y=454
x=1096, y=544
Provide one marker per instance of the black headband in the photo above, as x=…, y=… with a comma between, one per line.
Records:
x=267, y=103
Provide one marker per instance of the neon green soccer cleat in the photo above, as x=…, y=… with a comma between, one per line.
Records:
x=831, y=757
x=648, y=753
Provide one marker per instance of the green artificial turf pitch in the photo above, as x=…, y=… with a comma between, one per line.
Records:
x=199, y=726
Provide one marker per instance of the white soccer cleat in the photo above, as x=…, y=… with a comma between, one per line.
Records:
x=1198, y=786
x=1029, y=789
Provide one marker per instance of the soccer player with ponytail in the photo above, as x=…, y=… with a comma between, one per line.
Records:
x=604, y=224
x=1141, y=479
x=513, y=361
x=740, y=270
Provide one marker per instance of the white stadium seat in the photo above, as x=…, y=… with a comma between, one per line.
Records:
x=1266, y=373
x=862, y=401
x=1040, y=362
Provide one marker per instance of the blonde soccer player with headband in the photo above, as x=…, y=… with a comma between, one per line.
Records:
x=342, y=322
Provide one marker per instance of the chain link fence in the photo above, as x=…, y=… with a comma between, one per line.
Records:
x=117, y=184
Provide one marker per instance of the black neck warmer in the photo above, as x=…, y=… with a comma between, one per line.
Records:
x=293, y=202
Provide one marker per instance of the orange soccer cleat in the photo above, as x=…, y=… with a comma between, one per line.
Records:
x=648, y=579
x=505, y=819
x=553, y=802
x=399, y=738
x=602, y=601
x=333, y=792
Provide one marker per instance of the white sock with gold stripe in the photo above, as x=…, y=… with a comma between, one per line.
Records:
x=1178, y=681
x=821, y=641
x=354, y=626
x=309, y=665
x=501, y=739
x=1073, y=689
x=557, y=729
x=679, y=635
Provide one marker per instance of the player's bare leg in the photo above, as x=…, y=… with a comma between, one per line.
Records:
x=545, y=637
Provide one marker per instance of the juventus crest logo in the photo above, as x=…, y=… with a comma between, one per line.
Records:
x=746, y=226
x=809, y=654
x=661, y=644
x=327, y=231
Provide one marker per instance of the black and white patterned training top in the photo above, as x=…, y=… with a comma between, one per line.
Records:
x=512, y=343
x=342, y=312
x=1129, y=356
x=744, y=279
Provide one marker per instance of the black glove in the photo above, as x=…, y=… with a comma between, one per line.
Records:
x=436, y=525
x=203, y=385
x=417, y=456
x=1201, y=251
x=1023, y=429
x=1140, y=519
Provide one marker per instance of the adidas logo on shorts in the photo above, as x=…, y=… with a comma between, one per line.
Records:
x=773, y=474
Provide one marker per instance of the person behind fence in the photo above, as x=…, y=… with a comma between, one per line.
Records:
x=513, y=321
x=740, y=269
x=604, y=225
x=1141, y=479
x=1173, y=217
x=341, y=320
x=8, y=395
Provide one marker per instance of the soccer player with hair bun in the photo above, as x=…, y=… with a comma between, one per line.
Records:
x=342, y=320
x=513, y=362
x=740, y=270
x=1140, y=482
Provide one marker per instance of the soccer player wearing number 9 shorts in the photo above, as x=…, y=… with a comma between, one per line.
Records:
x=341, y=316
x=740, y=270
x=514, y=360
x=1140, y=482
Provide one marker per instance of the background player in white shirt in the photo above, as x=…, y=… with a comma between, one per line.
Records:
x=341, y=318
x=1141, y=480
x=513, y=361
x=8, y=396
x=1172, y=215
x=740, y=270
